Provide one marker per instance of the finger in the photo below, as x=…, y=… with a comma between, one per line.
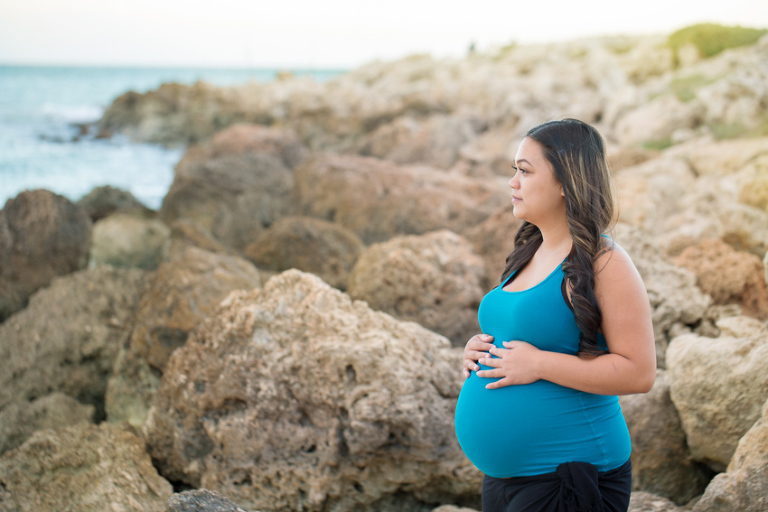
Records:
x=470, y=365
x=497, y=384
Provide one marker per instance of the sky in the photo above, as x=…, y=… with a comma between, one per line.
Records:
x=325, y=34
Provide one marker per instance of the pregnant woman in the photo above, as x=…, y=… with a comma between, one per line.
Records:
x=566, y=331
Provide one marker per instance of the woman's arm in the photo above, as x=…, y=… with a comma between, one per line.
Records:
x=630, y=367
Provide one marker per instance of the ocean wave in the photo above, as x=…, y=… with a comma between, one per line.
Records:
x=72, y=114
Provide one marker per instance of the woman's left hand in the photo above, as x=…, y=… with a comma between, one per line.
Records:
x=516, y=363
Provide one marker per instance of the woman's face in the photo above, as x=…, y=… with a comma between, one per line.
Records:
x=537, y=196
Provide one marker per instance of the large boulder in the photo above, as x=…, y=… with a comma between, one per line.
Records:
x=179, y=295
x=744, y=485
x=67, y=339
x=106, y=200
x=434, y=141
x=245, y=138
x=434, y=279
x=295, y=397
x=42, y=235
x=718, y=386
x=83, y=467
x=377, y=199
x=19, y=420
x=661, y=462
x=727, y=275
x=309, y=244
x=233, y=196
x=129, y=240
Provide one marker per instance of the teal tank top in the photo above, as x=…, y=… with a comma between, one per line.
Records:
x=531, y=429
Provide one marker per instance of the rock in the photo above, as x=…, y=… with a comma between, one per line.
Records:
x=243, y=138
x=67, y=339
x=744, y=485
x=42, y=235
x=104, y=201
x=718, y=386
x=201, y=500
x=678, y=305
x=308, y=244
x=434, y=279
x=180, y=295
x=753, y=189
x=709, y=157
x=126, y=240
x=234, y=197
x=660, y=458
x=19, y=420
x=435, y=141
x=299, y=398
x=187, y=232
x=646, y=502
x=378, y=200
x=82, y=467
x=493, y=239
x=656, y=120
x=727, y=275
x=175, y=113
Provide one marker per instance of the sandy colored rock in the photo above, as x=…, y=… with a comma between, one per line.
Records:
x=19, y=420
x=295, y=396
x=232, y=196
x=127, y=240
x=308, y=244
x=67, y=339
x=106, y=200
x=718, y=386
x=42, y=235
x=661, y=462
x=727, y=275
x=251, y=138
x=493, y=239
x=744, y=485
x=435, y=141
x=434, y=279
x=641, y=501
x=377, y=199
x=83, y=467
x=182, y=293
x=201, y=500
x=753, y=189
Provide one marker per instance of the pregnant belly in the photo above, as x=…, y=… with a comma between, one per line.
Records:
x=530, y=429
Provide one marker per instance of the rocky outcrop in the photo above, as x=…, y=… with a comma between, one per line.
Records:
x=718, y=386
x=728, y=276
x=42, y=235
x=434, y=279
x=106, y=200
x=67, y=339
x=661, y=461
x=180, y=295
x=201, y=500
x=646, y=502
x=377, y=199
x=244, y=138
x=312, y=245
x=19, y=420
x=294, y=396
x=234, y=197
x=83, y=467
x=744, y=485
x=493, y=239
x=435, y=141
x=128, y=240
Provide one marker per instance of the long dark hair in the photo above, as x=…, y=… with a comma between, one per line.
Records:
x=577, y=154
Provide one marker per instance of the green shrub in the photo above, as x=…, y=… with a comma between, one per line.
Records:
x=711, y=39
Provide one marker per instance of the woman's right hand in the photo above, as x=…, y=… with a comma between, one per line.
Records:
x=476, y=348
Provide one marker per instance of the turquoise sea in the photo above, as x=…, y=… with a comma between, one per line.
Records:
x=41, y=107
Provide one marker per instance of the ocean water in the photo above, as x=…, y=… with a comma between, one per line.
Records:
x=41, y=107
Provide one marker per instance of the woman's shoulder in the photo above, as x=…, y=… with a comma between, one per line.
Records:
x=612, y=261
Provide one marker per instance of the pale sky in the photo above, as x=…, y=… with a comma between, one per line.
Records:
x=325, y=33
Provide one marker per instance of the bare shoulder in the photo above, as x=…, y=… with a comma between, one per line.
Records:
x=613, y=263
